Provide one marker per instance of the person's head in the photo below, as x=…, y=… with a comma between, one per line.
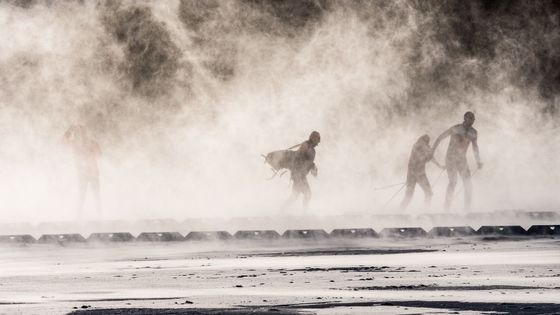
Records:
x=425, y=139
x=314, y=138
x=468, y=119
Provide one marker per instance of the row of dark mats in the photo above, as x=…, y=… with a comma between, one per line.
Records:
x=505, y=217
x=303, y=234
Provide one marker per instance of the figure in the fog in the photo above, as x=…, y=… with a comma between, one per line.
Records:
x=86, y=152
x=303, y=164
x=420, y=155
x=462, y=135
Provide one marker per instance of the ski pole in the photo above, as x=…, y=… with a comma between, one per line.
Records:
x=388, y=186
x=393, y=197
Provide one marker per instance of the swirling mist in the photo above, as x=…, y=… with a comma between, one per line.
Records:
x=184, y=97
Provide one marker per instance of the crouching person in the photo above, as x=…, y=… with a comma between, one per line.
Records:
x=421, y=154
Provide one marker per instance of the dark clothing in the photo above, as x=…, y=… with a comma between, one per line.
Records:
x=420, y=155
x=301, y=185
x=304, y=162
x=305, y=157
x=411, y=181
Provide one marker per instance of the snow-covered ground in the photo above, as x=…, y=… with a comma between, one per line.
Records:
x=330, y=277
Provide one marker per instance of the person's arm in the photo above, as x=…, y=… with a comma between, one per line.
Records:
x=309, y=160
x=444, y=135
x=67, y=134
x=433, y=160
x=314, y=170
x=476, y=152
x=429, y=156
x=306, y=157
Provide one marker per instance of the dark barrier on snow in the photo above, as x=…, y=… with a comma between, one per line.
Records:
x=257, y=235
x=208, y=236
x=451, y=231
x=507, y=230
x=306, y=234
x=19, y=239
x=160, y=237
x=111, y=237
x=61, y=238
x=354, y=233
x=552, y=230
x=407, y=232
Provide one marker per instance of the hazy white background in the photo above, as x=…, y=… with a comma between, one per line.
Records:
x=187, y=142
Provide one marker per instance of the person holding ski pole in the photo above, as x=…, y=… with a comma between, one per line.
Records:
x=421, y=154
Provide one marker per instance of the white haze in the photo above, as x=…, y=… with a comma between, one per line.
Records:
x=195, y=150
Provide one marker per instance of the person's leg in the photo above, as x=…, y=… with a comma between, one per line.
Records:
x=290, y=200
x=81, y=196
x=467, y=185
x=410, y=185
x=452, y=174
x=427, y=188
x=96, y=194
x=306, y=190
x=294, y=195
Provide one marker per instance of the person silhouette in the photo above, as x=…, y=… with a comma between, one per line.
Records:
x=304, y=162
x=462, y=135
x=420, y=155
x=86, y=152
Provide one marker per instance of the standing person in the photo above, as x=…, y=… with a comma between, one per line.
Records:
x=420, y=155
x=86, y=152
x=303, y=163
x=462, y=135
